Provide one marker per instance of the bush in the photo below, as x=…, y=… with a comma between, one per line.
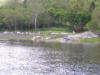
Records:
x=79, y=18
x=94, y=24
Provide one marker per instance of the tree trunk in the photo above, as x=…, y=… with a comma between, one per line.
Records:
x=36, y=22
x=15, y=28
x=25, y=3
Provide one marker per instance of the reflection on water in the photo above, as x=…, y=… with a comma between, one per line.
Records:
x=31, y=58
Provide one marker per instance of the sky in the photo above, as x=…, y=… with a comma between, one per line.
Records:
x=2, y=2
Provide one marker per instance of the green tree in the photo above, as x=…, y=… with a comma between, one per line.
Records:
x=35, y=8
x=60, y=15
x=94, y=24
x=79, y=18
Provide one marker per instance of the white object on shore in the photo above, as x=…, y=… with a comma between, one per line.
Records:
x=89, y=37
x=48, y=38
x=38, y=36
x=73, y=32
x=18, y=32
x=94, y=35
x=5, y=32
x=11, y=32
x=54, y=33
x=63, y=41
x=64, y=33
x=26, y=32
x=33, y=38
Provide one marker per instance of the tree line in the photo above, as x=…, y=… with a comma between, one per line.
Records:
x=33, y=14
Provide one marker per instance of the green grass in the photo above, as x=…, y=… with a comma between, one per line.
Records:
x=92, y=40
x=58, y=29
x=45, y=31
x=55, y=29
x=14, y=38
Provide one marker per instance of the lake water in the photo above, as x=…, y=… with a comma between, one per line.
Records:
x=31, y=58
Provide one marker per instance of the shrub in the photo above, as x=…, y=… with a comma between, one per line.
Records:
x=94, y=24
x=79, y=18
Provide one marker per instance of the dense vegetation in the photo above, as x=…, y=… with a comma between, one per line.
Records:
x=33, y=14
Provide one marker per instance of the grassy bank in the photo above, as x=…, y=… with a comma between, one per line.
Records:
x=92, y=40
x=48, y=34
x=14, y=38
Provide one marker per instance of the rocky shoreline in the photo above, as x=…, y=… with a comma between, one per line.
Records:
x=52, y=37
x=15, y=35
x=65, y=38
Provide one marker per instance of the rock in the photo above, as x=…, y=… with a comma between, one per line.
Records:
x=94, y=35
x=18, y=32
x=64, y=33
x=54, y=33
x=38, y=36
x=33, y=38
x=48, y=38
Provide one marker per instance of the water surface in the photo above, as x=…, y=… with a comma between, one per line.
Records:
x=31, y=58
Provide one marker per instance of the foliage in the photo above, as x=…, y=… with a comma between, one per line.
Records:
x=33, y=14
x=94, y=24
x=58, y=14
x=74, y=18
x=92, y=40
x=78, y=18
